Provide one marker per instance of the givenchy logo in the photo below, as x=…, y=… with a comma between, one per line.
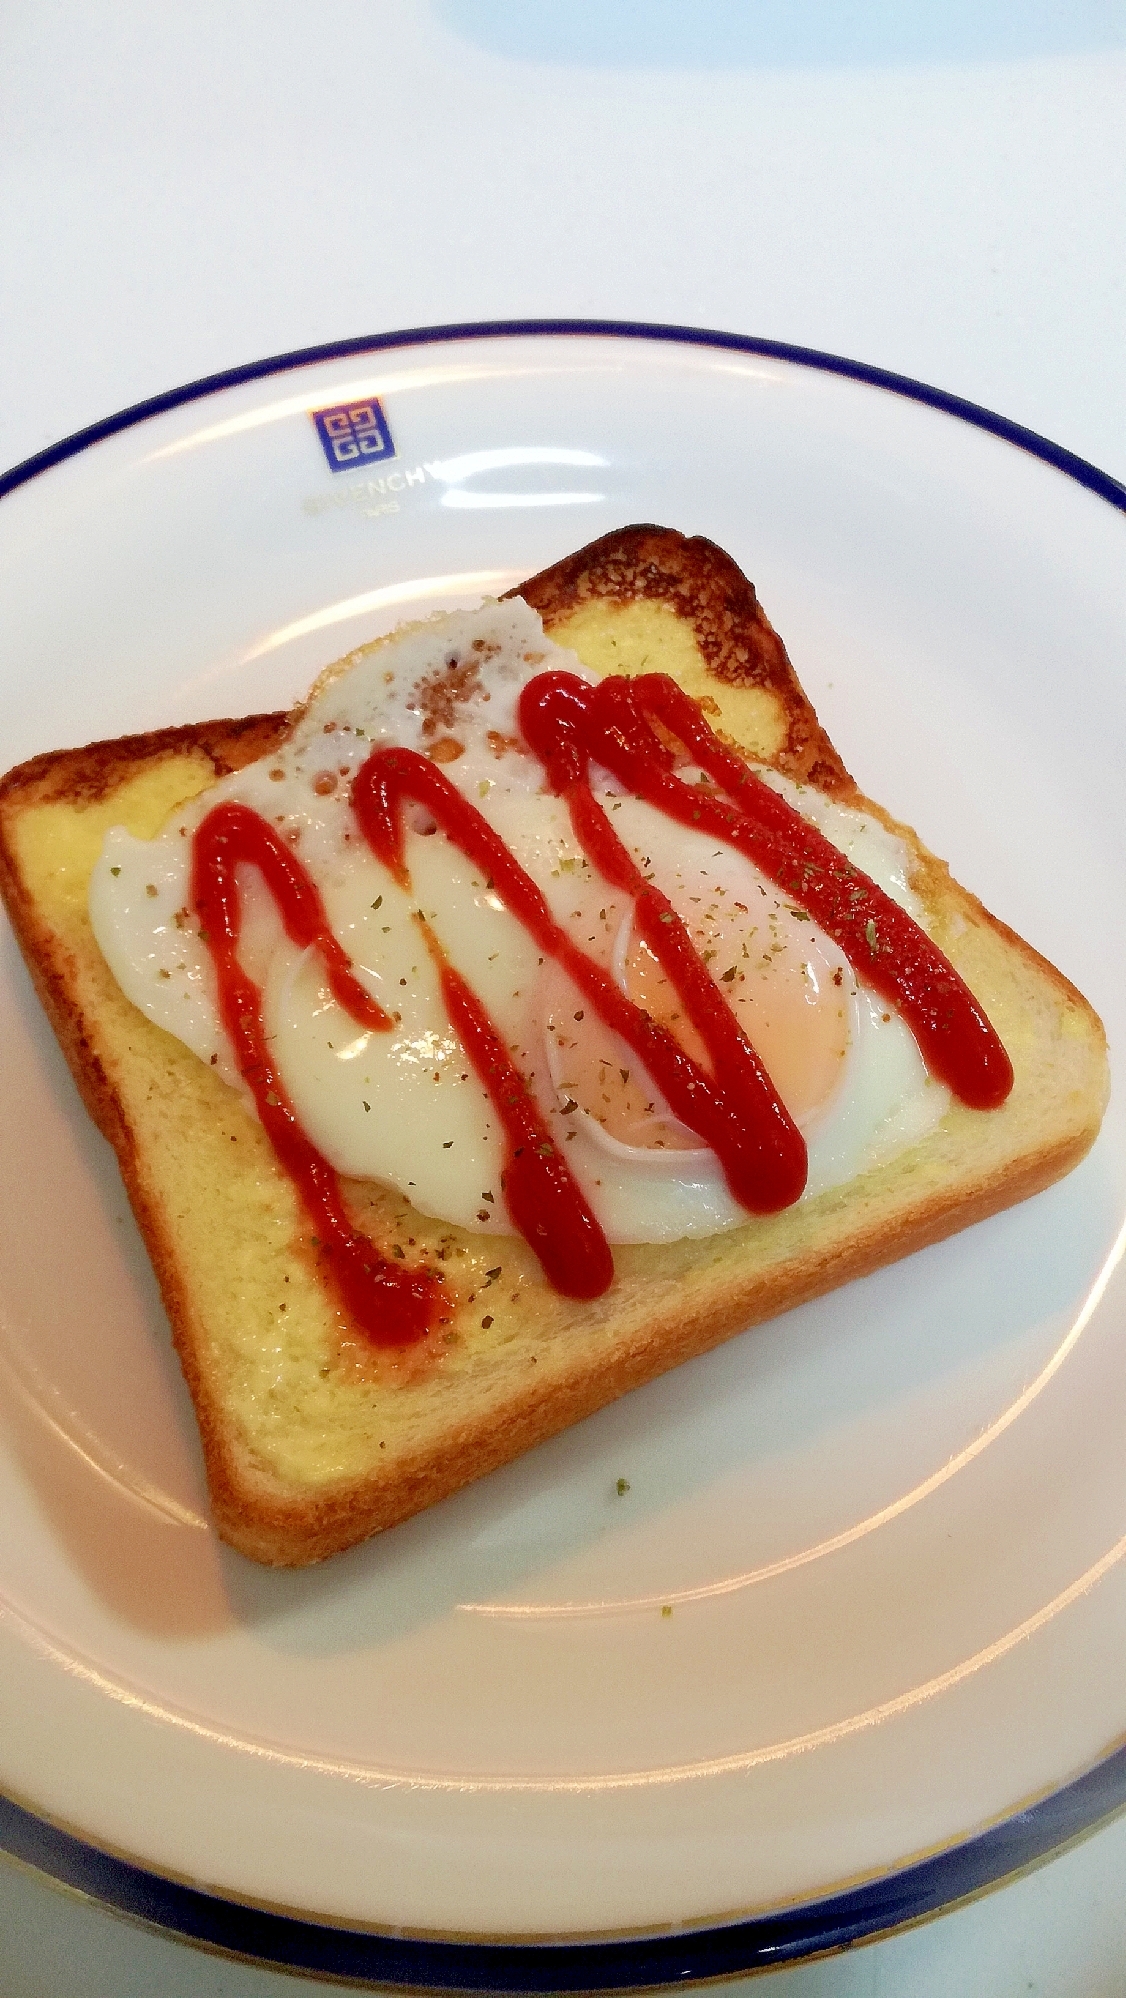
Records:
x=353, y=434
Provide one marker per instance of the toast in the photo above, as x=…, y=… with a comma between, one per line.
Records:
x=313, y=1436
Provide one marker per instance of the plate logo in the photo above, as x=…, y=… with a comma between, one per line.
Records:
x=353, y=433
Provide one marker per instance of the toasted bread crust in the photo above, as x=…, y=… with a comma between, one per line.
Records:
x=84, y=776
x=81, y=778
x=418, y=1435
x=710, y=594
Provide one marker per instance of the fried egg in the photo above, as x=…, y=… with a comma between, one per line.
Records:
x=405, y=1107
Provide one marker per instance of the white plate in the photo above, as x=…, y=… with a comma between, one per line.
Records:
x=889, y=1526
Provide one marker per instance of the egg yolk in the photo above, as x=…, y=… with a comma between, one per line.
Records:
x=789, y=988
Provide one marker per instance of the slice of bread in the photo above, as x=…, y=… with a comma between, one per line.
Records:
x=314, y=1439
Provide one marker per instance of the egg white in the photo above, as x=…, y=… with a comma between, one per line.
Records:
x=405, y=1107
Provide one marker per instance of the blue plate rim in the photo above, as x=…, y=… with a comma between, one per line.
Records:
x=877, y=1907
x=1017, y=434
x=891, y=1901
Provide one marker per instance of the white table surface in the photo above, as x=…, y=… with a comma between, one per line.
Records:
x=938, y=190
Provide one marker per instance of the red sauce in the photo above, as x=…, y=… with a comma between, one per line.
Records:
x=544, y=1198
x=732, y=1104
x=567, y=722
x=393, y=1305
x=734, y=1109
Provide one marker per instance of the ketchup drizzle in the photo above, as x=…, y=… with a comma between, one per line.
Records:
x=738, y=1114
x=568, y=722
x=392, y=1305
x=544, y=1198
